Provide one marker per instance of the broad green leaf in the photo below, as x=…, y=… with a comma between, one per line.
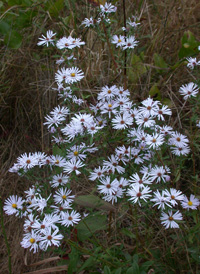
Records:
x=58, y=151
x=137, y=68
x=13, y=39
x=145, y=266
x=106, y=270
x=14, y=2
x=167, y=102
x=90, y=225
x=88, y=263
x=55, y=7
x=93, y=201
x=73, y=262
x=155, y=92
x=128, y=233
x=24, y=19
x=189, y=45
x=159, y=61
x=4, y=27
x=134, y=269
x=118, y=271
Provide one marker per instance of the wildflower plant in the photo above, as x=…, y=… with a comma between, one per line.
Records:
x=126, y=150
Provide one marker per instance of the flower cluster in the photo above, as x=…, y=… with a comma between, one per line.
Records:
x=104, y=12
x=136, y=133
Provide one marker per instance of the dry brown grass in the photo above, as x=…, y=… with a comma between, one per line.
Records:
x=26, y=96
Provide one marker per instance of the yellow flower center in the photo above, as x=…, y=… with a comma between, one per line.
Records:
x=57, y=162
x=109, y=105
x=172, y=197
x=64, y=197
x=190, y=203
x=75, y=153
x=153, y=140
x=171, y=218
x=14, y=205
x=28, y=161
x=73, y=74
x=32, y=240
x=119, y=40
x=109, y=91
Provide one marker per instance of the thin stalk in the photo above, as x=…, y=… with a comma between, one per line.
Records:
x=5, y=238
x=110, y=221
x=109, y=47
x=125, y=52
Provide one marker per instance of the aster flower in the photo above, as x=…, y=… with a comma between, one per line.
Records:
x=168, y=220
x=64, y=42
x=47, y=40
x=83, y=118
x=191, y=203
x=107, y=187
x=60, y=61
x=130, y=43
x=73, y=75
x=159, y=173
x=113, y=165
x=88, y=22
x=154, y=141
x=107, y=8
x=56, y=120
x=113, y=197
x=73, y=165
x=97, y=173
x=150, y=107
x=76, y=152
x=60, y=209
x=174, y=195
x=164, y=110
x=178, y=140
x=39, y=203
x=122, y=121
x=50, y=238
x=118, y=40
x=13, y=205
x=31, y=240
x=192, y=62
x=109, y=107
x=178, y=151
x=107, y=93
x=59, y=180
x=139, y=193
x=62, y=111
x=135, y=179
x=121, y=91
x=63, y=196
x=70, y=218
x=27, y=161
x=160, y=200
x=144, y=120
x=57, y=160
x=189, y=90
x=29, y=222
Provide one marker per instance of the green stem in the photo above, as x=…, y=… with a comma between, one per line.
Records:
x=5, y=238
